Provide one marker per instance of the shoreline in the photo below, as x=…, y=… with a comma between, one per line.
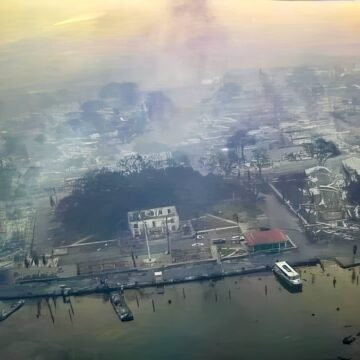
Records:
x=107, y=288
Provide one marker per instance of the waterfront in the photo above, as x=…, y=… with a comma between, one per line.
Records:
x=248, y=317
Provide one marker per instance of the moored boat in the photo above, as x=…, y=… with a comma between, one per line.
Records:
x=120, y=306
x=288, y=275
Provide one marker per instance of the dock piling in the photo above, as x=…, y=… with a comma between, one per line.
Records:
x=50, y=310
x=71, y=307
x=38, y=314
x=70, y=316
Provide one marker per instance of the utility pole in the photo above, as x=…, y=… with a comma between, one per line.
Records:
x=33, y=235
x=147, y=241
x=354, y=251
x=236, y=217
x=167, y=235
x=133, y=259
x=237, y=220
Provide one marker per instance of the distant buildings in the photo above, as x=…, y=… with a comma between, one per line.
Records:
x=154, y=221
x=323, y=199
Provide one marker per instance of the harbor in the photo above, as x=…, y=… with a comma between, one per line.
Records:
x=179, y=179
x=139, y=278
x=221, y=318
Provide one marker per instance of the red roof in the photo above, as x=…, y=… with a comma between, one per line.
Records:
x=265, y=237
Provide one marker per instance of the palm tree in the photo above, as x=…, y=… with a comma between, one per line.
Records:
x=261, y=157
x=239, y=140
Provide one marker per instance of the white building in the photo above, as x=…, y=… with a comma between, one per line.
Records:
x=155, y=220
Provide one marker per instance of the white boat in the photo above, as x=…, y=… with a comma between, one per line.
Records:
x=286, y=273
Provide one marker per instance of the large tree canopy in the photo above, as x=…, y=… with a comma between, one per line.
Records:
x=100, y=200
x=322, y=150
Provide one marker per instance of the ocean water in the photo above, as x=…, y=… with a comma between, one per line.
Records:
x=249, y=317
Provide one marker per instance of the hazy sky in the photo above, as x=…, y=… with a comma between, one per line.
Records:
x=44, y=42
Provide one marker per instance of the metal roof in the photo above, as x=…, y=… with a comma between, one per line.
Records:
x=265, y=237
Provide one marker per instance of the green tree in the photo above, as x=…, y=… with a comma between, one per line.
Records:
x=261, y=157
x=239, y=140
x=310, y=149
x=101, y=200
x=324, y=149
x=221, y=163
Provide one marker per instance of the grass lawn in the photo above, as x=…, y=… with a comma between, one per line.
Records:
x=226, y=251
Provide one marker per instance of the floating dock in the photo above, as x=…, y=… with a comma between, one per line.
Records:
x=5, y=313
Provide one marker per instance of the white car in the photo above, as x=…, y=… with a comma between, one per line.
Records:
x=238, y=237
x=199, y=237
x=198, y=244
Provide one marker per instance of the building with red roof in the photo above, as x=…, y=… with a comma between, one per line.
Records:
x=267, y=241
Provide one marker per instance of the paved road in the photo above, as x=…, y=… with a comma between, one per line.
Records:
x=280, y=217
x=41, y=243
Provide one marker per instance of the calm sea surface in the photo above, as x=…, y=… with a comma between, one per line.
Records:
x=208, y=323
